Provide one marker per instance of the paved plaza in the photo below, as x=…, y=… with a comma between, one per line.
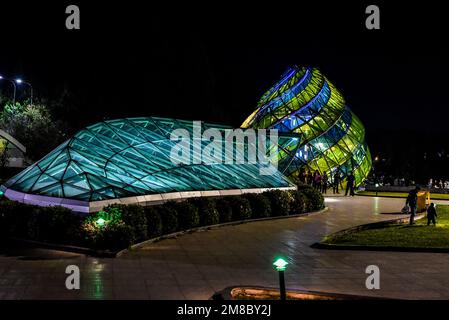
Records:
x=196, y=265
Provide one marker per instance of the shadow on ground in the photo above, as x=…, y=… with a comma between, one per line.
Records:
x=31, y=252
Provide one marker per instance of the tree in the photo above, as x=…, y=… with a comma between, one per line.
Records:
x=33, y=126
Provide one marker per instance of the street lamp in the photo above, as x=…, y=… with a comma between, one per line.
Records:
x=281, y=265
x=20, y=81
x=14, y=86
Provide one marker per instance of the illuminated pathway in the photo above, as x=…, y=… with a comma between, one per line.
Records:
x=196, y=265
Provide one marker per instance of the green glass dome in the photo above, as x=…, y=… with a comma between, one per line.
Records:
x=331, y=136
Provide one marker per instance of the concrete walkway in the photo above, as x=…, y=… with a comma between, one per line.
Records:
x=196, y=265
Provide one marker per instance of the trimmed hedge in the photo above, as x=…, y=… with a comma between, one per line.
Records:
x=279, y=201
x=134, y=216
x=260, y=205
x=314, y=199
x=224, y=210
x=119, y=226
x=169, y=217
x=188, y=216
x=51, y=224
x=208, y=209
x=154, y=221
x=298, y=203
x=241, y=209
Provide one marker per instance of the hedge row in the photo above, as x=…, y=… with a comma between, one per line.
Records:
x=119, y=226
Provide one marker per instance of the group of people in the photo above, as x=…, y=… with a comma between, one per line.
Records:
x=412, y=205
x=438, y=184
x=389, y=180
x=322, y=182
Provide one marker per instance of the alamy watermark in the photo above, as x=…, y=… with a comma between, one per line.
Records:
x=72, y=22
x=72, y=282
x=226, y=146
x=372, y=22
x=373, y=280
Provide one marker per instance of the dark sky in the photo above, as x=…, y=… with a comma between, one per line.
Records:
x=213, y=62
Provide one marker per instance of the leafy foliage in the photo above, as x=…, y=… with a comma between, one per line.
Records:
x=33, y=126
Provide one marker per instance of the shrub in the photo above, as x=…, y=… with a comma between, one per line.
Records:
x=97, y=235
x=298, y=202
x=241, y=208
x=169, y=217
x=116, y=236
x=279, y=201
x=154, y=221
x=207, y=211
x=133, y=216
x=260, y=205
x=224, y=210
x=315, y=200
x=54, y=224
x=13, y=217
x=187, y=215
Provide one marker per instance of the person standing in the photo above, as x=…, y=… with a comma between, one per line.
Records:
x=317, y=180
x=412, y=202
x=336, y=182
x=350, y=181
x=309, y=178
x=324, y=181
x=303, y=176
x=431, y=214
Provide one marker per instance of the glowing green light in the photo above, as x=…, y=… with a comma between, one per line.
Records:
x=101, y=222
x=1, y=193
x=280, y=264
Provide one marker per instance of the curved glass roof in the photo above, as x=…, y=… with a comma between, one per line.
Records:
x=331, y=136
x=129, y=157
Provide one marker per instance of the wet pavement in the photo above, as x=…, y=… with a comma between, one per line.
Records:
x=196, y=265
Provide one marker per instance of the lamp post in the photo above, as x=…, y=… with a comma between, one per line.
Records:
x=20, y=81
x=14, y=86
x=281, y=265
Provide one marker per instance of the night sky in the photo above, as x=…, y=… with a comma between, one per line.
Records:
x=213, y=62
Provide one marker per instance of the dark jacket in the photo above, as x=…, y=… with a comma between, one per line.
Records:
x=431, y=212
x=412, y=198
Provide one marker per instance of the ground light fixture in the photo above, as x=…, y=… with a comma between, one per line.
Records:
x=280, y=265
x=100, y=222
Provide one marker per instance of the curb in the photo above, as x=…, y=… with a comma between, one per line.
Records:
x=227, y=294
x=327, y=246
x=398, y=197
x=67, y=248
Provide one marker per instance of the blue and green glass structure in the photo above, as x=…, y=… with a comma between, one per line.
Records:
x=128, y=160
x=331, y=137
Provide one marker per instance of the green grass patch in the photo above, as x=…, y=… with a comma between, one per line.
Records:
x=400, y=235
x=433, y=196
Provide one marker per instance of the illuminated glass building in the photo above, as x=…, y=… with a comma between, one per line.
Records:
x=330, y=135
x=129, y=160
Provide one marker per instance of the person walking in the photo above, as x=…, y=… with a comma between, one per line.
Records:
x=336, y=182
x=412, y=202
x=431, y=214
x=350, y=181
